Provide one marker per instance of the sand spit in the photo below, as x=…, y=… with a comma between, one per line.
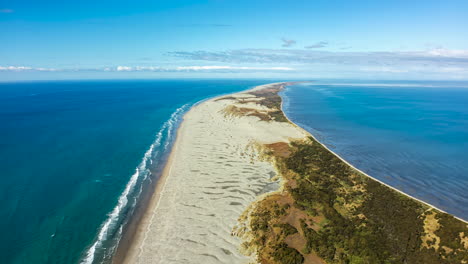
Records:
x=214, y=173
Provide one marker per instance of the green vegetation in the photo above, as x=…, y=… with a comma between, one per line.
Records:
x=366, y=221
x=286, y=255
x=334, y=213
x=268, y=98
x=287, y=229
x=278, y=116
x=271, y=99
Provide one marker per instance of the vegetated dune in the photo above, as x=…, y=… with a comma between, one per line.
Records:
x=243, y=184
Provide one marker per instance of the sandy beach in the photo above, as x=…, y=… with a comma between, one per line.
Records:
x=213, y=173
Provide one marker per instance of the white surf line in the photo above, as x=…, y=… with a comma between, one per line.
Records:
x=113, y=216
x=163, y=187
x=123, y=198
x=358, y=170
x=175, y=146
x=169, y=125
x=171, y=122
x=174, y=153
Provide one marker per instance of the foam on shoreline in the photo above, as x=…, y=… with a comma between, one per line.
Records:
x=115, y=219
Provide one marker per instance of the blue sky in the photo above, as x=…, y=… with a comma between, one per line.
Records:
x=233, y=39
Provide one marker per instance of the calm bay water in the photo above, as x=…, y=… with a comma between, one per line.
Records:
x=411, y=135
x=73, y=156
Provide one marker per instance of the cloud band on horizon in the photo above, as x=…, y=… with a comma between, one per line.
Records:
x=209, y=68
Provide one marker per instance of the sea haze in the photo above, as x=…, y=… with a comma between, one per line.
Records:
x=410, y=135
x=73, y=158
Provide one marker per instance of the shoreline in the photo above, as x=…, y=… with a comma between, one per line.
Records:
x=125, y=249
x=371, y=177
x=151, y=220
x=136, y=243
x=131, y=231
x=153, y=201
x=387, y=185
x=150, y=197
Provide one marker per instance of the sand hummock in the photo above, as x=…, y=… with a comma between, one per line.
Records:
x=214, y=172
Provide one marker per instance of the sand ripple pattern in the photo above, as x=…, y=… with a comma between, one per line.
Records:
x=214, y=174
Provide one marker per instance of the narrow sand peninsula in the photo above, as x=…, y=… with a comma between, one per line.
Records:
x=214, y=173
x=210, y=205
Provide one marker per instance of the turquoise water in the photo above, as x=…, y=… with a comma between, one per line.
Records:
x=411, y=135
x=73, y=156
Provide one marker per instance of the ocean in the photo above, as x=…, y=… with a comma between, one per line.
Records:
x=74, y=156
x=410, y=135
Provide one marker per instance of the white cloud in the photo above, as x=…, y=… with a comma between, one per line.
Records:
x=201, y=68
x=430, y=61
x=320, y=44
x=24, y=68
x=206, y=68
x=288, y=42
x=135, y=68
x=124, y=68
x=45, y=69
x=383, y=69
x=454, y=70
x=198, y=68
x=448, y=53
x=14, y=68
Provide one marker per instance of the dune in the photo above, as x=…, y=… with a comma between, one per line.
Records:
x=214, y=172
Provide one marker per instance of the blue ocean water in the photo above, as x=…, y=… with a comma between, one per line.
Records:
x=411, y=135
x=73, y=158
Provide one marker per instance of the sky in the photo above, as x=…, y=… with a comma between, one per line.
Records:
x=392, y=39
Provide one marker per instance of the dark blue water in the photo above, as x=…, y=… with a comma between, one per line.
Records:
x=73, y=156
x=411, y=135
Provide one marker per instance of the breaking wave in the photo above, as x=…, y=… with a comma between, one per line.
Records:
x=111, y=228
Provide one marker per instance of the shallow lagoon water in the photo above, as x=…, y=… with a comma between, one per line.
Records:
x=411, y=135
